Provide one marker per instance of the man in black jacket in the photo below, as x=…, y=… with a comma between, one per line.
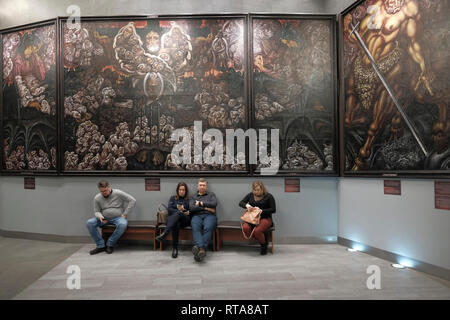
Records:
x=202, y=207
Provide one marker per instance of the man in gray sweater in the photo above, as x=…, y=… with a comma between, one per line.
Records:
x=109, y=207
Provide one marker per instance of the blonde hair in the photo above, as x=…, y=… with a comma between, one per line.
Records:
x=259, y=183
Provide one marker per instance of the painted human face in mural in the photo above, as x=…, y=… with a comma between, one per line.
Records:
x=393, y=6
x=152, y=42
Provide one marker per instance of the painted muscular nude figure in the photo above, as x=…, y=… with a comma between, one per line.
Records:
x=386, y=23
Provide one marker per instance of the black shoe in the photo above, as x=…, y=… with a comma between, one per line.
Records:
x=161, y=237
x=97, y=250
x=201, y=254
x=174, y=253
x=263, y=249
x=109, y=250
x=195, y=251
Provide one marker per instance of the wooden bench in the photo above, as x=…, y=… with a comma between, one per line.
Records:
x=231, y=231
x=136, y=230
x=184, y=234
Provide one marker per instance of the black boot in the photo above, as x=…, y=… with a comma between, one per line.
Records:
x=161, y=237
x=263, y=249
x=97, y=250
x=174, y=252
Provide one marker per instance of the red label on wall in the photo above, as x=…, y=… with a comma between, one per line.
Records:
x=152, y=184
x=442, y=195
x=393, y=187
x=291, y=185
x=29, y=183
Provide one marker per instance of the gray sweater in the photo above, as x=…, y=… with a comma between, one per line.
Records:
x=113, y=206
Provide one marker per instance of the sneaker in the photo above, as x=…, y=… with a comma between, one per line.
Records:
x=195, y=251
x=201, y=254
x=161, y=237
x=97, y=250
x=109, y=250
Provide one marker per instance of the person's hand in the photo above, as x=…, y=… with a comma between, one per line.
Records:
x=180, y=207
x=212, y=210
x=104, y=221
x=187, y=212
x=248, y=206
x=124, y=216
x=197, y=203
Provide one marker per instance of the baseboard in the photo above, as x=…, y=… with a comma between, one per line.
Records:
x=305, y=240
x=45, y=237
x=87, y=239
x=431, y=269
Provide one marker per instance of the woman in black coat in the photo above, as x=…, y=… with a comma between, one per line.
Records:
x=178, y=217
x=261, y=198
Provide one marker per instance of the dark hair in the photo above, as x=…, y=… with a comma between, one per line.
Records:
x=182, y=184
x=103, y=184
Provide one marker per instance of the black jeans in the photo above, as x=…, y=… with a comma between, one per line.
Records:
x=175, y=222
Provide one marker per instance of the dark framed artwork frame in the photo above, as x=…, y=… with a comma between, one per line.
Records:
x=375, y=138
x=146, y=152
x=301, y=139
x=33, y=135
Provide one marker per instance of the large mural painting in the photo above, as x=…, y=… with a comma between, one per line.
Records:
x=129, y=84
x=395, y=64
x=29, y=94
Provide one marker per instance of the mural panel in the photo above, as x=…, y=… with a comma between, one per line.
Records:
x=29, y=94
x=293, y=90
x=397, y=118
x=129, y=84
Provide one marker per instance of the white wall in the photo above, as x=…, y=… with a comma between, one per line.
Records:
x=408, y=225
x=61, y=205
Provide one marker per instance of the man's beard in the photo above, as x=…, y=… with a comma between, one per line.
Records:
x=395, y=7
x=154, y=48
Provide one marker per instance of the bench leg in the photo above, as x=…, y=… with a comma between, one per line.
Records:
x=218, y=239
x=271, y=236
x=161, y=242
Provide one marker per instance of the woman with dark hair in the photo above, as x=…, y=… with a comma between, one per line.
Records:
x=260, y=198
x=178, y=217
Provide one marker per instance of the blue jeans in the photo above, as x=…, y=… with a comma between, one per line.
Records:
x=208, y=223
x=93, y=223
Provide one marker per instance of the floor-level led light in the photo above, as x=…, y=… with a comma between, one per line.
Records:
x=352, y=249
x=398, y=266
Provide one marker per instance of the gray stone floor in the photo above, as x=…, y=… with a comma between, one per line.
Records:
x=22, y=262
x=326, y=271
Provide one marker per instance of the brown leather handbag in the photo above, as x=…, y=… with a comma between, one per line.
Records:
x=250, y=215
x=162, y=214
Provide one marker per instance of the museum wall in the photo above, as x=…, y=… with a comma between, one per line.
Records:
x=355, y=209
x=60, y=206
x=408, y=225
